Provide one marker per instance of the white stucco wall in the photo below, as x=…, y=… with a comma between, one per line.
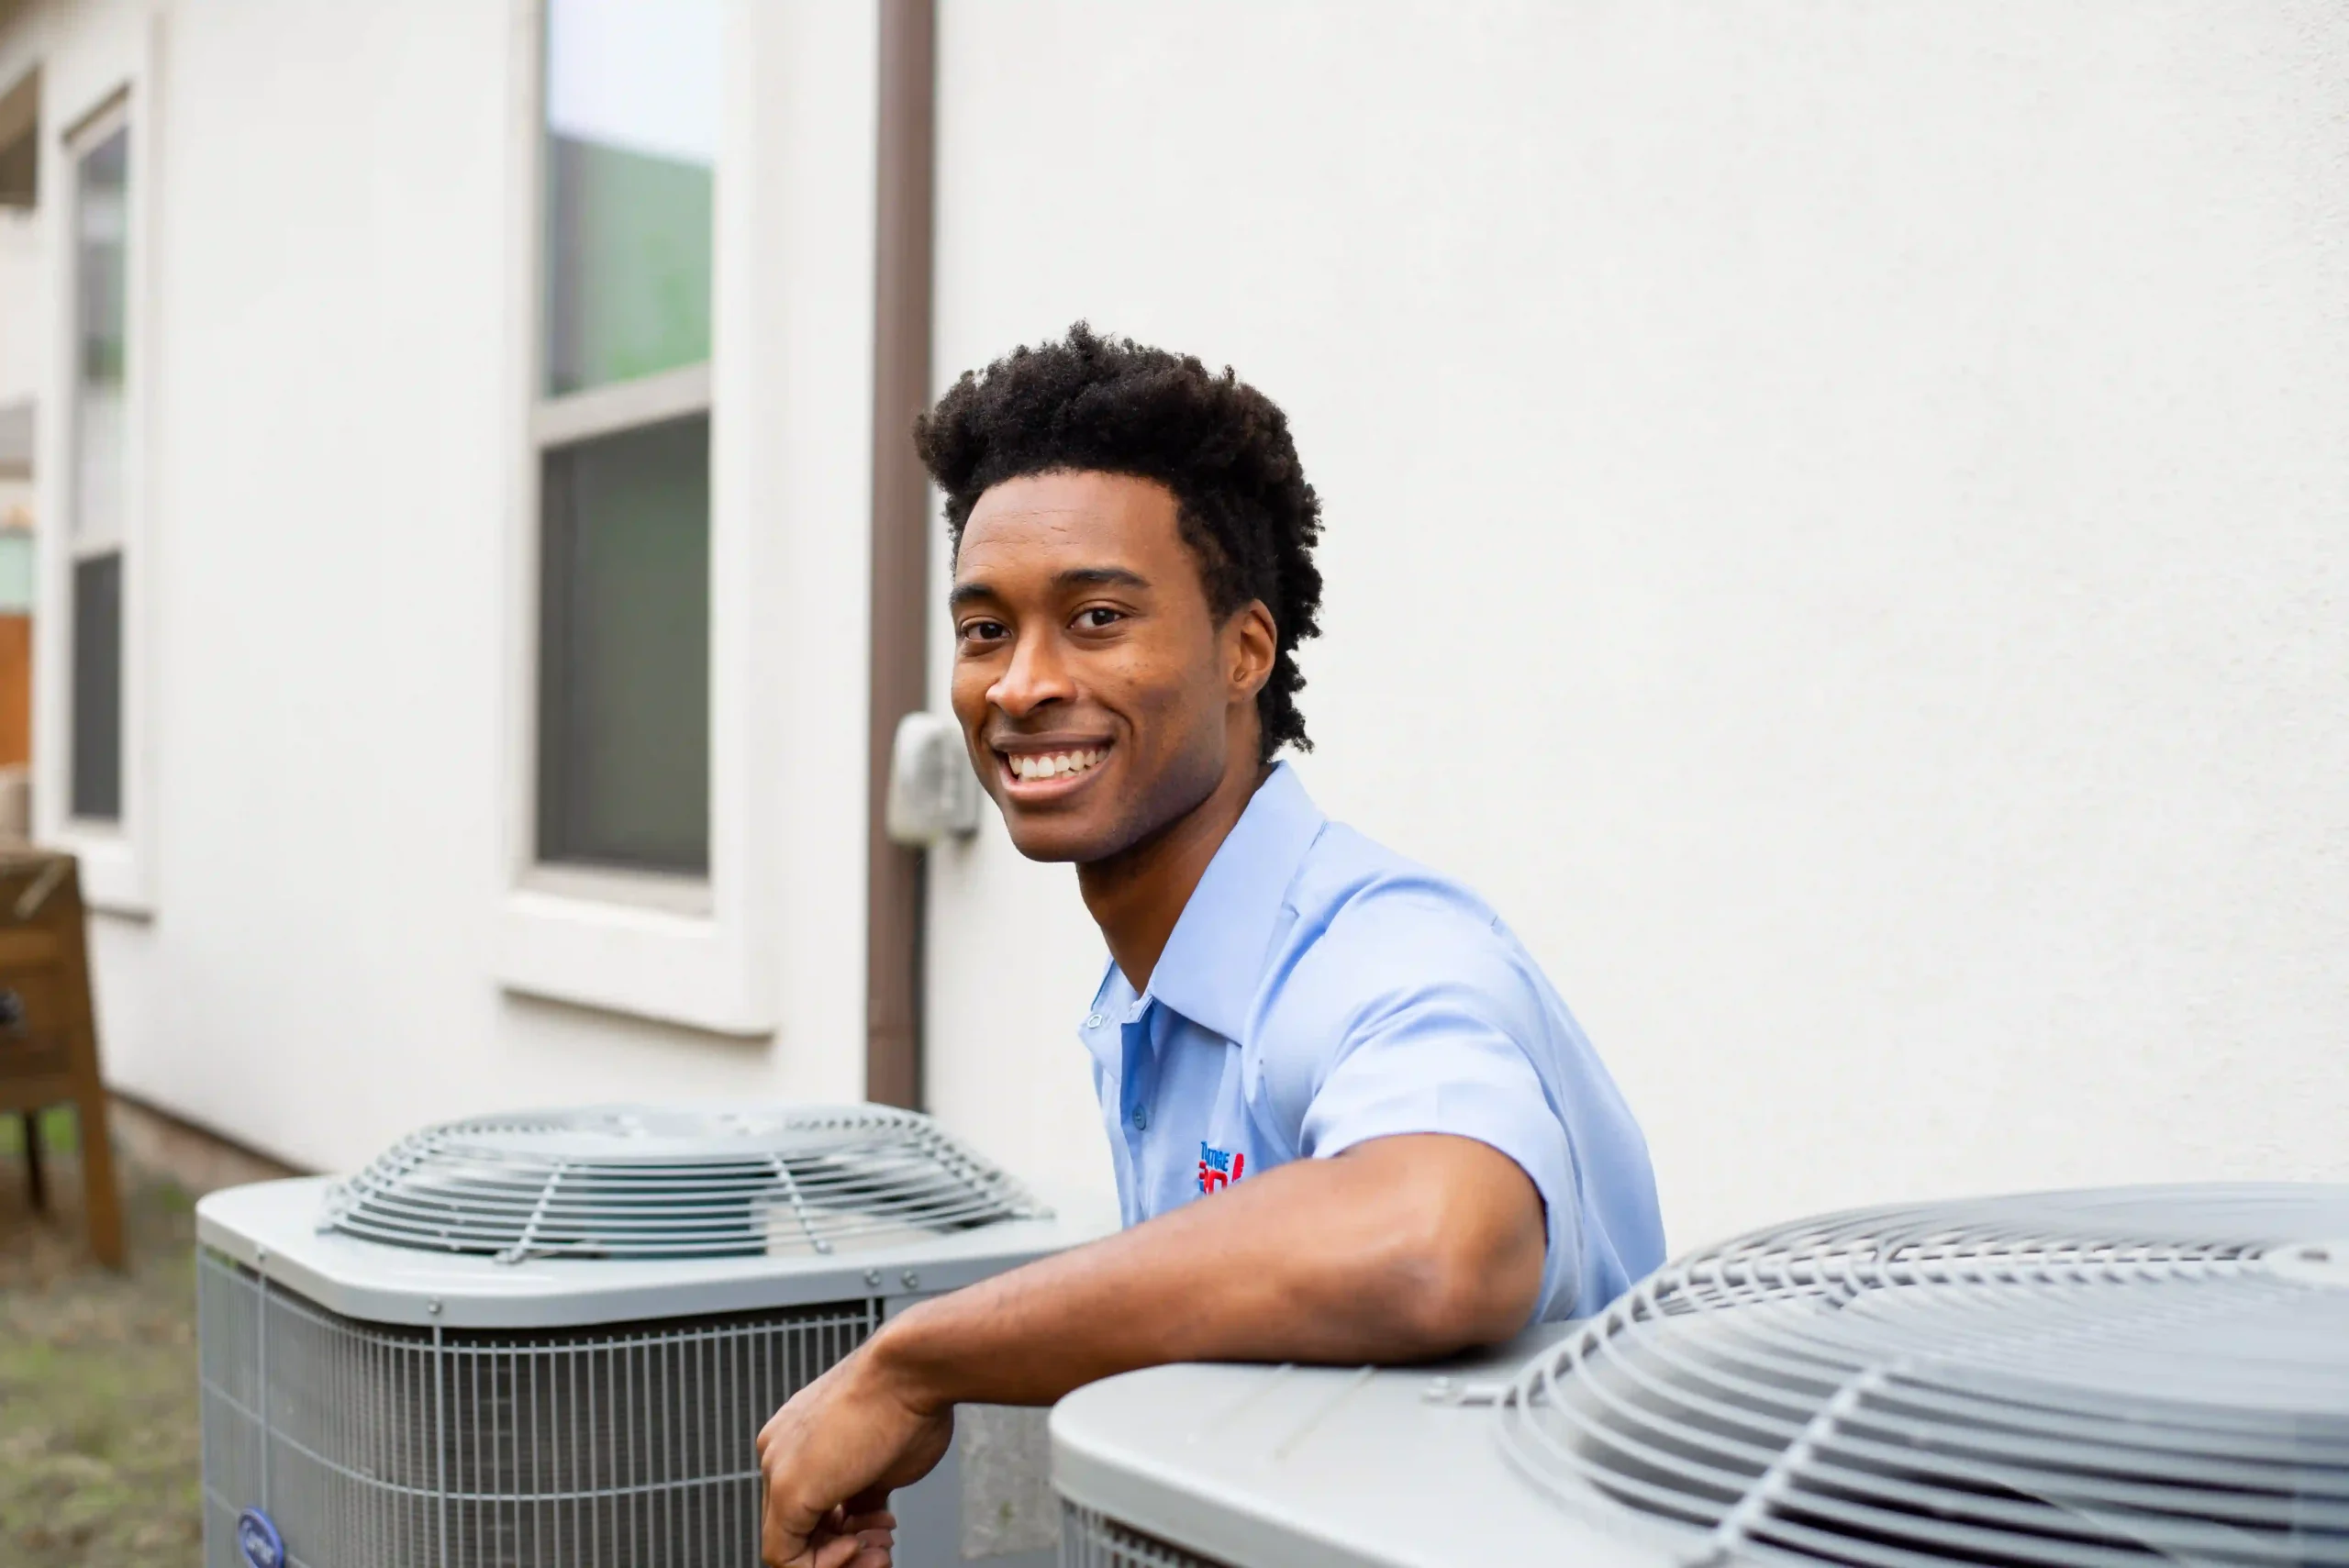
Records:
x=1834, y=526
x=331, y=470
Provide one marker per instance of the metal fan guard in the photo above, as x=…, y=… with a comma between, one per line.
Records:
x=2113, y=1378
x=635, y=1181
x=374, y=1445
x=1090, y=1539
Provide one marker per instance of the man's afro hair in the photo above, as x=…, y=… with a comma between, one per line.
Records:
x=1111, y=406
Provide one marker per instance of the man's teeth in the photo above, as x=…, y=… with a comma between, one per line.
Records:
x=1055, y=764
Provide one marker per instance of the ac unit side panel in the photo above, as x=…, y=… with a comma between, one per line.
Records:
x=374, y=1446
x=273, y=1229
x=1312, y=1467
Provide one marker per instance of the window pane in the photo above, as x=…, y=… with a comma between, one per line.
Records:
x=631, y=144
x=97, y=687
x=16, y=570
x=101, y=230
x=624, y=650
x=20, y=171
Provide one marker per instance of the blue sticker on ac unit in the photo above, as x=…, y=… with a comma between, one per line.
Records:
x=258, y=1538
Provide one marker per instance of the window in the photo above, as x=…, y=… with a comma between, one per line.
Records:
x=94, y=648
x=99, y=532
x=686, y=372
x=621, y=427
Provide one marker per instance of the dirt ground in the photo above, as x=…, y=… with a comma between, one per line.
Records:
x=99, y=1451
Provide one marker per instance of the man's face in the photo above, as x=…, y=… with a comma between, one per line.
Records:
x=1099, y=698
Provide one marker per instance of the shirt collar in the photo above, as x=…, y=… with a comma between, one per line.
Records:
x=1215, y=957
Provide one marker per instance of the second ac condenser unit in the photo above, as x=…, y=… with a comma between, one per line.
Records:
x=551, y=1339
x=2074, y=1380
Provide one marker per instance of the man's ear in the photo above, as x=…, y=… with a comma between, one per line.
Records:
x=1252, y=643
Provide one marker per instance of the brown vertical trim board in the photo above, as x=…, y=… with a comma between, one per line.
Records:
x=900, y=618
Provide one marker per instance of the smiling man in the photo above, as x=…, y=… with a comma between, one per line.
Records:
x=1351, y=1120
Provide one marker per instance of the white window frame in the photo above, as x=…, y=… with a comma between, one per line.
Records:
x=686, y=949
x=99, y=93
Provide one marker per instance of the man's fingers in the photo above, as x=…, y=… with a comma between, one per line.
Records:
x=782, y=1546
x=878, y=1528
x=840, y=1540
x=832, y=1548
x=838, y=1551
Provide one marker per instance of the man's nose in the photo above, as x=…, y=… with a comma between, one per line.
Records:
x=1037, y=674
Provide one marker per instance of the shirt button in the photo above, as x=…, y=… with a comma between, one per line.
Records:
x=1094, y=1022
x=1142, y=1117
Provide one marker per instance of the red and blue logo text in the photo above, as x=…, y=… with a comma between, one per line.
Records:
x=1219, y=1168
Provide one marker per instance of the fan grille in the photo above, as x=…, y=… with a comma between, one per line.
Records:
x=635, y=1183
x=1090, y=1539
x=376, y=1446
x=2087, y=1378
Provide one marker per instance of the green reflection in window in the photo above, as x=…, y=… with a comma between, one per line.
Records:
x=631, y=89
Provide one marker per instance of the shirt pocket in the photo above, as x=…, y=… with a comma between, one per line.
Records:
x=1228, y=1151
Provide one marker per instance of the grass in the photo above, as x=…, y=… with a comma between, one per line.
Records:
x=99, y=1455
x=60, y=1132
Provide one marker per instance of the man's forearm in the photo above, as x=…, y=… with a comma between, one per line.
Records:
x=1401, y=1249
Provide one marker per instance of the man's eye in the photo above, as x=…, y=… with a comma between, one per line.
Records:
x=1098, y=617
x=982, y=631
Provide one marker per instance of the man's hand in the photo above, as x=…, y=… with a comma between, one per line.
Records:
x=829, y=1459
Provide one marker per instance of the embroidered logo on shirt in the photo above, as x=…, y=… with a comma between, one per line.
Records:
x=1219, y=1168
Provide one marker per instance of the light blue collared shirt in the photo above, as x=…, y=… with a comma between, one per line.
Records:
x=1320, y=991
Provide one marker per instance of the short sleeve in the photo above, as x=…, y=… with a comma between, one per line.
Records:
x=1444, y=1042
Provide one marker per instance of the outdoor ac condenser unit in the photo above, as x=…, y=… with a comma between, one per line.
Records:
x=551, y=1339
x=2105, y=1379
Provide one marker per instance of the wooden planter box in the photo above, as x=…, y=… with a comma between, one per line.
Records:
x=48, y=1035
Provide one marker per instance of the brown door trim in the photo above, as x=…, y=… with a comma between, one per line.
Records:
x=900, y=618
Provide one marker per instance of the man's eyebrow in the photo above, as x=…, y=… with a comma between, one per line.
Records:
x=976, y=590
x=1100, y=577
